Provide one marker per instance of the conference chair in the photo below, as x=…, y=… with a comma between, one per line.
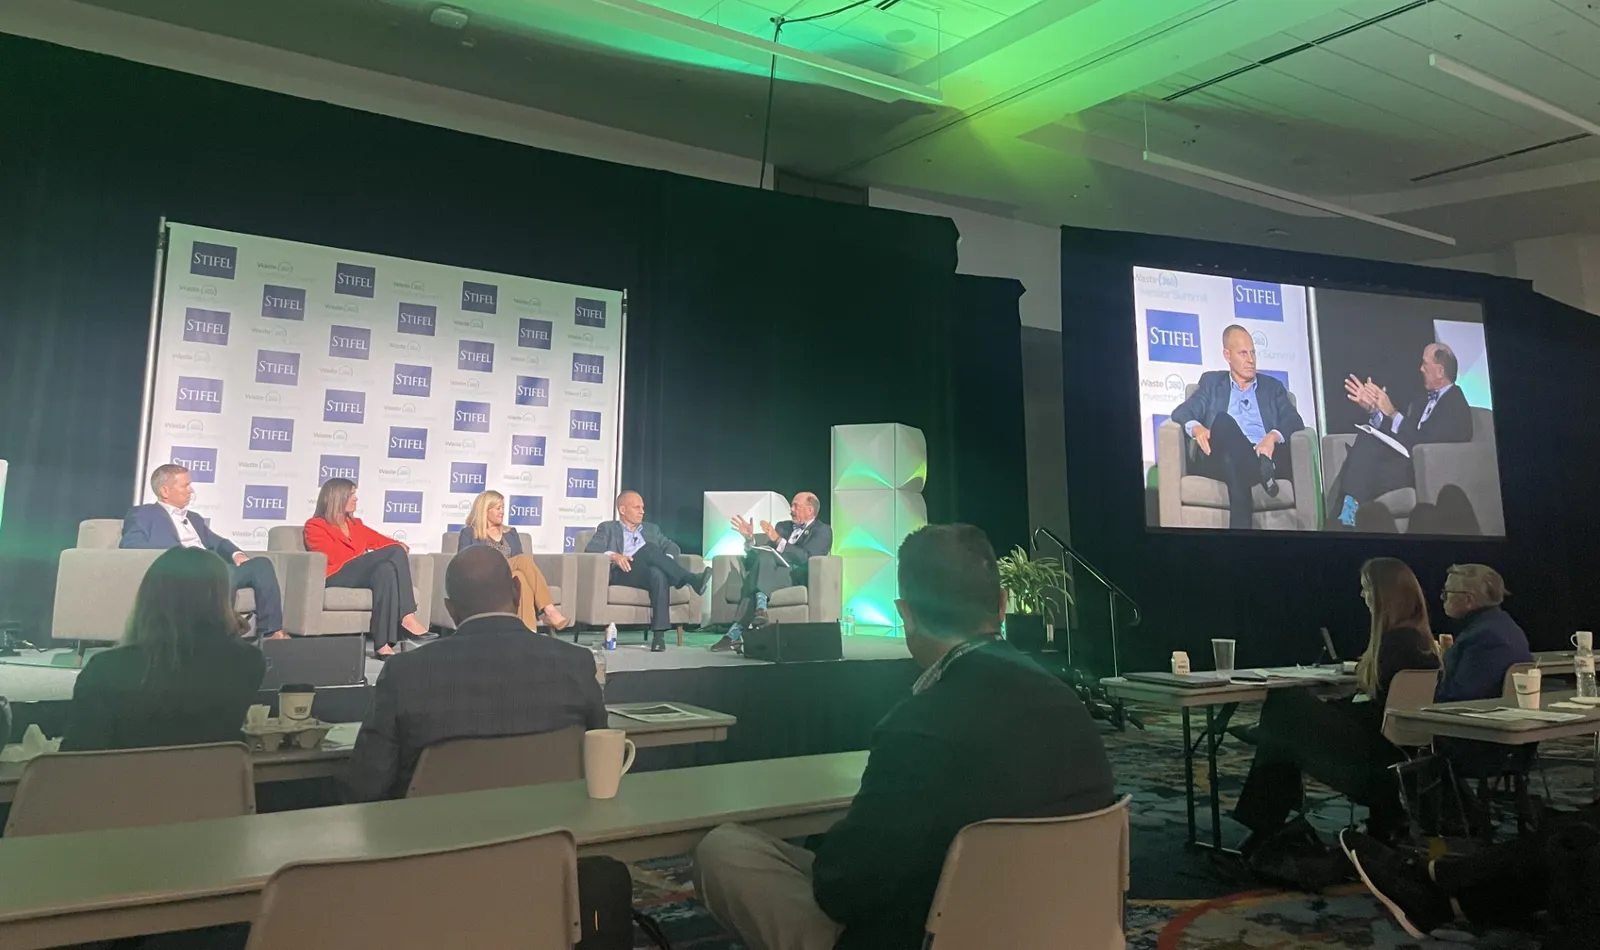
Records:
x=472, y=765
x=600, y=602
x=339, y=611
x=96, y=583
x=1409, y=689
x=517, y=893
x=1194, y=501
x=126, y=788
x=820, y=599
x=560, y=572
x=1034, y=882
x=1470, y=466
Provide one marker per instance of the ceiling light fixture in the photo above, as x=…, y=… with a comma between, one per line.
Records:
x=1299, y=199
x=1512, y=93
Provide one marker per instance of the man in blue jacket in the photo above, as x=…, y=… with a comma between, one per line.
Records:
x=1240, y=422
x=1488, y=642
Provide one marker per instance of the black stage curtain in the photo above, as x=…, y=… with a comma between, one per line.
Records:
x=755, y=320
x=1272, y=591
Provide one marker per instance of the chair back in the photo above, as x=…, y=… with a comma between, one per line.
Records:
x=1508, y=686
x=286, y=537
x=99, y=533
x=1026, y=882
x=127, y=788
x=515, y=893
x=450, y=543
x=471, y=765
x=1410, y=689
x=580, y=541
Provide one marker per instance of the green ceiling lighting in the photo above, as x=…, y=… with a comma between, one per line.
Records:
x=878, y=474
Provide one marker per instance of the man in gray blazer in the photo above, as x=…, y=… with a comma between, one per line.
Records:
x=492, y=677
x=642, y=557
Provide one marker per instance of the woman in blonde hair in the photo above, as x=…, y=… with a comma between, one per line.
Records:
x=486, y=524
x=1341, y=744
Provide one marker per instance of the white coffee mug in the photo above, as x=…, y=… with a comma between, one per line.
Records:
x=1583, y=640
x=1528, y=685
x=607, y=756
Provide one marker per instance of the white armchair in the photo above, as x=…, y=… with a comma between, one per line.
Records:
x=1194, y=501
x=338, y=611
x=560, y=572
x=600, y=602
x=821, y=598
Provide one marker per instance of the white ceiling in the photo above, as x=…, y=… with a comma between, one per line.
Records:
x=1043, y=109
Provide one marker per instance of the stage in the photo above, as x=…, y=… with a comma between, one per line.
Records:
x=783, y=709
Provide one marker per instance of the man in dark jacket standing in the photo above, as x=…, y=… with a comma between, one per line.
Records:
x=985, y=734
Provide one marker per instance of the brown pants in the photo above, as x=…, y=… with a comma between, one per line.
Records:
x=535, y=591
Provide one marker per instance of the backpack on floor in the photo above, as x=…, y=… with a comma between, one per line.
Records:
x=1295, y=856
x=605, y=905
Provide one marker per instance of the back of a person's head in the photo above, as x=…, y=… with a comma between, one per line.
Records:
x=1485, y=584
x=183, y=604
x=950, y=581
x=478, y=581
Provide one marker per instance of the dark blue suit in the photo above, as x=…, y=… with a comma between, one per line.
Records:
x=1233, y=457
x=150, y=527
x=1489, y=643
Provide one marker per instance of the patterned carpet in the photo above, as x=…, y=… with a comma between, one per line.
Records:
x=1182, y=899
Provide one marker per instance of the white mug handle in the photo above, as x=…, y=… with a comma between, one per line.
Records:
x=627, y=758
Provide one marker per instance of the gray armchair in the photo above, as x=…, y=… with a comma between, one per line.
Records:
x=599, y=602
x=1194, y=501
x=338, y=611
x=1472, y=467
x=96, y=584
x=820, y=600
x=560, y=572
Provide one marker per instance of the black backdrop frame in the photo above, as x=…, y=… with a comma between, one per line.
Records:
x=1271, y=591
x=756, y=320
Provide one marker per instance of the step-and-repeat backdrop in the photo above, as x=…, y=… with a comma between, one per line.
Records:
x=278, y=365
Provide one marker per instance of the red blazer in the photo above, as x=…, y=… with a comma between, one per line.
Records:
x=326, y=539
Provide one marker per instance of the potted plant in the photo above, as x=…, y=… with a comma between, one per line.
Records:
x=1032, y=585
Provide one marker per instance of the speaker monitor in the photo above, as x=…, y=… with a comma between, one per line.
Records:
x=320, y=661
x=794, y=642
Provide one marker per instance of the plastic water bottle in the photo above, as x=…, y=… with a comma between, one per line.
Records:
x=599, y=668
x=849, y=621
x=611, y=636
x=1583, y=664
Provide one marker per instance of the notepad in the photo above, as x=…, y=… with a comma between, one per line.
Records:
x=1385, y=438
x=1513, y=714
x=656, y=712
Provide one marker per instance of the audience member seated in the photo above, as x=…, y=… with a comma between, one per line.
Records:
x=169, y=524
x=1554, y=870
x=1488, y=642
x=1341, y=743
x=361, y=557
x=486, y=525
x=492, y=677
x=985, y=734
x=181, y=676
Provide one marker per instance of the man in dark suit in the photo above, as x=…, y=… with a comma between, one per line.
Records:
x=985, y=734
x=1240, y=422
x=169, y=524
x=779, y=558
x=1374, y=467
x=492, y=677
x=642, y=557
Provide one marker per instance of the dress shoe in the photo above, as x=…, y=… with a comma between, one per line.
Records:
x=658, y=642
x=760, y=619
x=1269, y=472
x=1249, y=735
x=698, y=582
x=724, y=645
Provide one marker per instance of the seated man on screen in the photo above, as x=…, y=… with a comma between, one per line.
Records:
x=491, y=677
x=1239, y=420
x=169, y=524
x=645, y=558
x=1374, y=467
x=779, y=557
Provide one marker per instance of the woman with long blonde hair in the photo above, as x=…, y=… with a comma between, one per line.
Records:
x=486, y=524
x=1341, y=743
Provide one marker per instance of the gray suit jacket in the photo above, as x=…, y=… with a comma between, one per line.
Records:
x=608, y=537
x=492, y=677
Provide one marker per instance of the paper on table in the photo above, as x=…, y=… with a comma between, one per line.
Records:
x=656, y=712
x=1509, y=714
x=1386, y=439
x=1568, y=704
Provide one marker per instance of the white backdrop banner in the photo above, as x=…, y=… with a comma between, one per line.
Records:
x=1180, y=319
x=279, y=365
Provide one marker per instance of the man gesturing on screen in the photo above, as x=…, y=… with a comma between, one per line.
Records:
x=1374, y=467
x=1239, y=420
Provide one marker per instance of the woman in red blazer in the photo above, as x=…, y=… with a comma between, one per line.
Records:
x=361, y=557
